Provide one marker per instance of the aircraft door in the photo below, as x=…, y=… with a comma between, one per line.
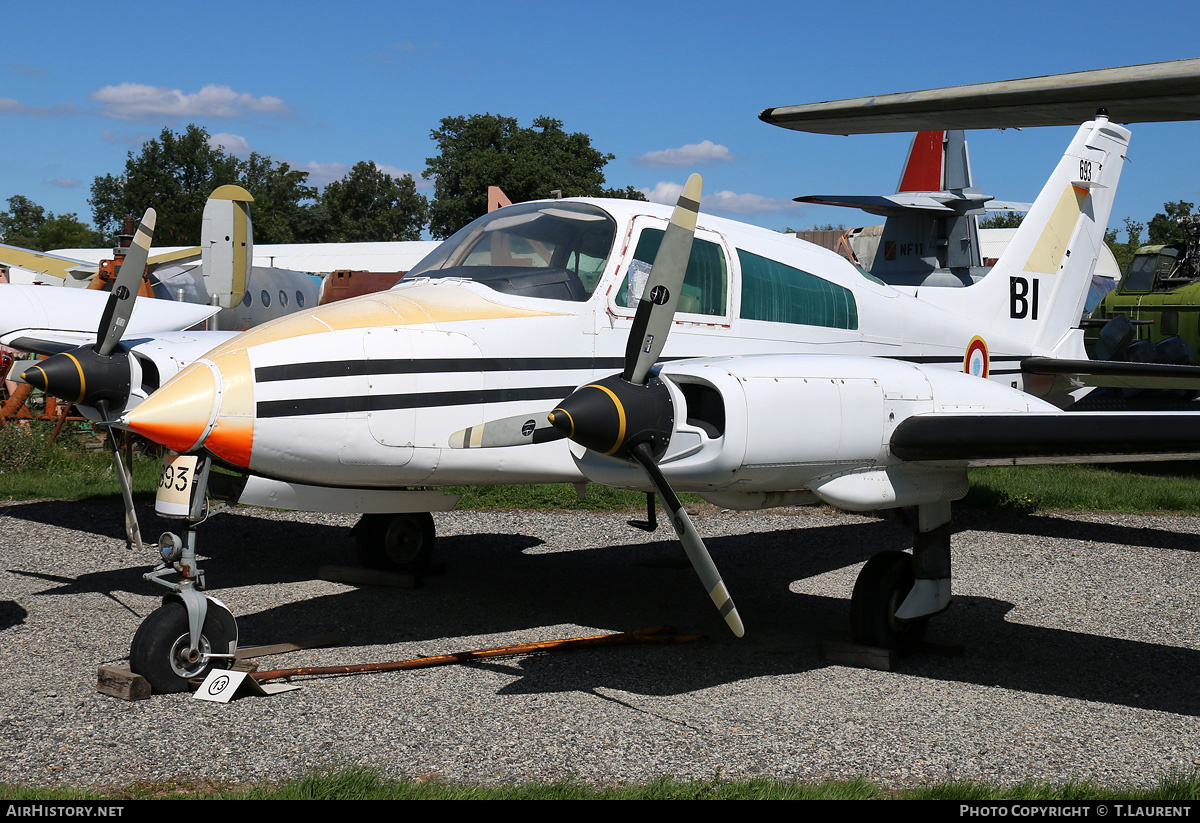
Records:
x=706, y=296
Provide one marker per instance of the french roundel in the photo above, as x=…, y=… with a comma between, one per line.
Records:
x=976, y=361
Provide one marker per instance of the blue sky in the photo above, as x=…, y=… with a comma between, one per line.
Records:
x=669, y=88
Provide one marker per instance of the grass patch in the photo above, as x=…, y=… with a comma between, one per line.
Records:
x=1121, y=487
x=31, y=468
x=359, y=783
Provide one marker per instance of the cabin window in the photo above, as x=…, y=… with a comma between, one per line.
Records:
x=781, y=294
x=704, y=283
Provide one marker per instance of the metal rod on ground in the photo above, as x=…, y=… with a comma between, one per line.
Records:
x=657, y=635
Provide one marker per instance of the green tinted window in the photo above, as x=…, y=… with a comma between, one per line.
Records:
x=778, y=293
x=703, y=285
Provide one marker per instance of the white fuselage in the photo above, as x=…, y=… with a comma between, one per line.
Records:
x=366, y=393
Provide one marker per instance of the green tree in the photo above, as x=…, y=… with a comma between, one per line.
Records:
x=28, y=225
x=21, y=224
x=368, y=204
x=1124, y=251
x=173, y=174
x=176, y=173
x=527, y=163
x=1002, y=220
x=284, y=203
x=1164, y=228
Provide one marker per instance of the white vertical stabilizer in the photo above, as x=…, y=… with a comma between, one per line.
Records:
x=1036, y=290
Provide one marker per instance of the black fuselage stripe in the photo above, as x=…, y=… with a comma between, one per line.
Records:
x=358, y=368
x=389, y=402
x=385, y=402
x=353, y=368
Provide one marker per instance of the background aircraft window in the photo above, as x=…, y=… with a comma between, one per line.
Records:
x=703, y=285
x=247, y=300
x=300, y=298
x=775, y=292
x=283, y=298
x=553, y=249
x=1141, y=273
x=265, y=298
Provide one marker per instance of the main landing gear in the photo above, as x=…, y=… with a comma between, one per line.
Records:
x=896, y=593
x=395, y=542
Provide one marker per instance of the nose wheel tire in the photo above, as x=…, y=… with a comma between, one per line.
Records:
x=396, y=542
x=881, y=587
x=161, y=649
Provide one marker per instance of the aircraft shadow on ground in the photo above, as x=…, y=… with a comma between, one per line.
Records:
x=501, y=583
x=1064, y=529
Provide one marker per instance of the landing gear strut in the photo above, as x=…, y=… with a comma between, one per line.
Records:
x=896, y=593
x=396, y=542
x=191, y=632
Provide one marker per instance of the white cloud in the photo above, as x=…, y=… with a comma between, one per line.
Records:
x=397, y=173
x=727, y=202
x=10, y=106
x=130, y=139
x=704, y=153
x=134, y=101
x=65, y=182
x=721, y=202
x=664, y=192
x=232, y=143
x=321, y=174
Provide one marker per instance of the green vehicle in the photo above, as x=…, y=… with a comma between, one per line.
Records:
x=1153, y=316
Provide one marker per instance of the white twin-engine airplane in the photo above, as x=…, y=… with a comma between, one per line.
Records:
x=711, y=357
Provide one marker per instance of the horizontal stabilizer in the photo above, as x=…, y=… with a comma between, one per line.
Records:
x=1030, y=439
x=1116, y=374
x=1147, y=93
x=879, y=203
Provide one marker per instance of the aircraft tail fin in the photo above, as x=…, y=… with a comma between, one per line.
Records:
x=1036, y=290
x=924, y=168
x=227, y=244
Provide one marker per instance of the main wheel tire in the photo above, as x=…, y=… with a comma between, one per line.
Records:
x=159, y=651
x=881, y=587
x=396, y=542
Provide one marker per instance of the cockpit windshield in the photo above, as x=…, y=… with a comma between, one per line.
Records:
x=556, y=250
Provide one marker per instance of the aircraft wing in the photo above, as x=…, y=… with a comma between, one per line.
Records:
x=1031, y=439
x=48, y=320
x=1116, y=374
x=41, y=262
x=1147, y=93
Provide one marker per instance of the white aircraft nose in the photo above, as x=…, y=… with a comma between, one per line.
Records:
x=210, y=403
x=180, y=414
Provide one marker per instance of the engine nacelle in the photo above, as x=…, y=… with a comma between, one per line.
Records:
x=749, y=427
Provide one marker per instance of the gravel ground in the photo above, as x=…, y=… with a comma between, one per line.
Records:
x=1079, y=633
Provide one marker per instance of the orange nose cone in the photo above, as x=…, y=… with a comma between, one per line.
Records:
x=179, y=414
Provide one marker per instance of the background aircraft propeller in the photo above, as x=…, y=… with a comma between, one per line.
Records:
x=630, y=415
x=99, y=375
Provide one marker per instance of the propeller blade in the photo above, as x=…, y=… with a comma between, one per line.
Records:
x=656, y=308
x=125, y=288
x=519, y=430
x=133, y=533
x=697, y=553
